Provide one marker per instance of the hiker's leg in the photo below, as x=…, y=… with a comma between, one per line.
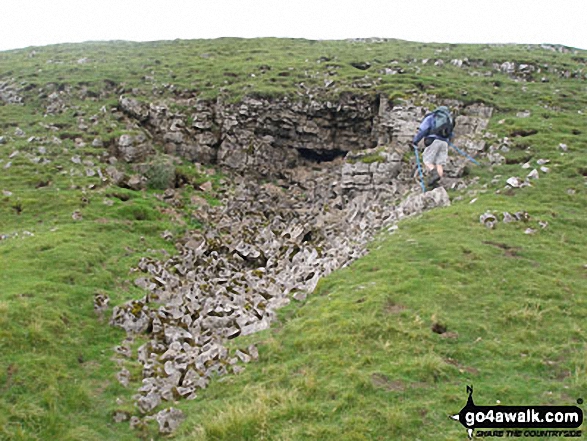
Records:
x=441, y=156
x=440, y=170
x=429, y=156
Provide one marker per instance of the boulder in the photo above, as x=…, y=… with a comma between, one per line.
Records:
x=134, y=108
x=133, y=148
x=168, y=419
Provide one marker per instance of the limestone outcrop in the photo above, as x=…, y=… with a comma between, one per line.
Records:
x=10, y=93
x=268, y=137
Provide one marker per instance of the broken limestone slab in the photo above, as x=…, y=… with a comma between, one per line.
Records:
x=417, y=203
x=255, y=327
x=508, y=218
x=244, y=357
x=533, y=174
x=488, y=219
x=513, y=182
x=149, y=402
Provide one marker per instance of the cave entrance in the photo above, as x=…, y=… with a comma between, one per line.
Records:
x=321, y=155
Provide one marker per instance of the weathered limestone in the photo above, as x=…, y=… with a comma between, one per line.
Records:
x=134, y=148
x=370, y=170
x=271, y=137
x=9, y=93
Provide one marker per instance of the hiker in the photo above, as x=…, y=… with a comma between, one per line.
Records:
x=436, y=129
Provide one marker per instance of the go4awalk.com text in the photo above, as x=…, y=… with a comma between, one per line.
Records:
x=528, y=433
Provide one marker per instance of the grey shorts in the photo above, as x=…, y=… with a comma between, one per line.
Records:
x=436, y=153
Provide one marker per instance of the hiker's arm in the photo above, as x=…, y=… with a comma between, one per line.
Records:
x=423, y=130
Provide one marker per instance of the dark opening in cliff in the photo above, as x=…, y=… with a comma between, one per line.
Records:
x=321, y=155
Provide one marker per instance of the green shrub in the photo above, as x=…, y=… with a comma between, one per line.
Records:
x=160, y=174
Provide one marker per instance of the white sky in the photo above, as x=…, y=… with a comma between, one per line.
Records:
x=40, y=22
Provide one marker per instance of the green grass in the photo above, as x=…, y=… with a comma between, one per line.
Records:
x=271, y=67
x=57, y=372
x=358, y=359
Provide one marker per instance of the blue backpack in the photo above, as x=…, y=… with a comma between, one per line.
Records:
x=443, y=123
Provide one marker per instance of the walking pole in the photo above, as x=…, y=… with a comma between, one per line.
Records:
x=419, y=169
x=463, y=153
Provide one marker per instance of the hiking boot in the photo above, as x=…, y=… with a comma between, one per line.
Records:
x=433, y=178
x=433, y=184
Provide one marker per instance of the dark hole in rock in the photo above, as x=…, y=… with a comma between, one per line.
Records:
x=110, y=83
x=524, y=133
x=321, y=155
x=123, y=197
x=361, y=65
x=67, y=135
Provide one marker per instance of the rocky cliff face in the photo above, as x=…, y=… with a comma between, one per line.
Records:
x=259, y=136
x=269, y=137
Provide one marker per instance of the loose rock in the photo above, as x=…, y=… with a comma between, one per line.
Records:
x=169, y=419
x=533, y=174
x=488, y=219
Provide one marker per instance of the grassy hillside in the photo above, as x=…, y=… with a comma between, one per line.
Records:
x=358, y=359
